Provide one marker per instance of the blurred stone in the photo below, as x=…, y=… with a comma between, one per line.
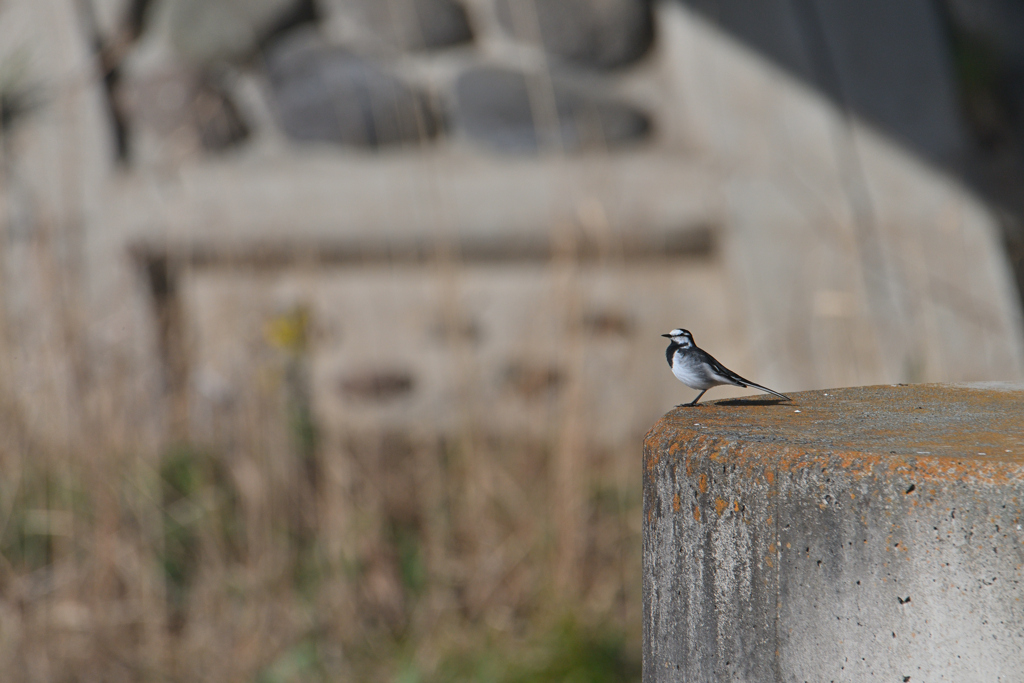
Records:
x=505, y=109
x=217, y=119
x=532, y=380
x=397, y=24
x=381, y=385
x=607, y=323
x=326, y=93
x=202, y=31
x=183, y=107
x=598, y=33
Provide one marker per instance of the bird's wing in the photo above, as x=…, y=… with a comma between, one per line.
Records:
x=731, y=377
x=722, y=373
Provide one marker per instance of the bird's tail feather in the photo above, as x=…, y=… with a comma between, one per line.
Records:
x=767, y=390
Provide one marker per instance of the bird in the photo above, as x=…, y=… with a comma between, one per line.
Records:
x=697, y=369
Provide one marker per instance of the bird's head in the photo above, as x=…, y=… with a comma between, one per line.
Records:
x=681, y=337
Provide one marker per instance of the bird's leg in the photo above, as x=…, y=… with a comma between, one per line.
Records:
x=694, y=401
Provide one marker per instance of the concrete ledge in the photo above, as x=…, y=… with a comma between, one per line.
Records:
x=853, y=534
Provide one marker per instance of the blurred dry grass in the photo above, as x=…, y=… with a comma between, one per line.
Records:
x=276, y=550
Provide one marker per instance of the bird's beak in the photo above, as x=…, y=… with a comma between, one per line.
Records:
x=667, y=335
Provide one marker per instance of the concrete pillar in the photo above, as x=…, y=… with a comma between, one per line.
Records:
x=870, y=533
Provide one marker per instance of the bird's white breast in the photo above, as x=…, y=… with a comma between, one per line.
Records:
x=692, y=372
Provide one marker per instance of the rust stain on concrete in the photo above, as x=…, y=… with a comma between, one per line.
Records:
x=675, y=503
x=927, y=432
x=696, y=513
x=720, y=506
x=652, y=454
x=702, y=483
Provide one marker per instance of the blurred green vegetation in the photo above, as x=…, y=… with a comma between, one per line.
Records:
x=198, y=498
x=40, y=507
x=569, y=652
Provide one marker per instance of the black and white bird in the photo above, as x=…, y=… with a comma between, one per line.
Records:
x=697, y=369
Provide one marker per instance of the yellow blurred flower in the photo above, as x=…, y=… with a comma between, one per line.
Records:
x=289, y=331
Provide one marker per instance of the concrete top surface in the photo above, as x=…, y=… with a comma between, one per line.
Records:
x=950, y=431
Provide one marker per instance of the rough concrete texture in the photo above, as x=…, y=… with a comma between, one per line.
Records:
x=870, y=533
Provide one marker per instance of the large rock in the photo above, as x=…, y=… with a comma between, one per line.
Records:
x=596, y=33
x=181, y=107
x=402, y=25
x=202, y=31
x=324, y=93
x=511, y=111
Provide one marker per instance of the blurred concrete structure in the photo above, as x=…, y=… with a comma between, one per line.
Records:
x=887, y=64
x=869, y=532
x=800, y=245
